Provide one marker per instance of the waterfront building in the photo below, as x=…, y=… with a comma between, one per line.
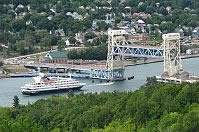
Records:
x=59, y=57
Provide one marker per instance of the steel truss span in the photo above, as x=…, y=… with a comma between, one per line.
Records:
x=137, y=51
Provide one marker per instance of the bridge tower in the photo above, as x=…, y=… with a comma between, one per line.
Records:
x=115, y=64
x=172, y=58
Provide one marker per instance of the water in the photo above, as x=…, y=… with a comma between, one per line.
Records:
x=10, y=87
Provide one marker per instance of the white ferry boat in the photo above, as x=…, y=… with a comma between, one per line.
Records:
x=51, y=84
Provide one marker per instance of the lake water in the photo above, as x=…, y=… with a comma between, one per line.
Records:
x=10, y=87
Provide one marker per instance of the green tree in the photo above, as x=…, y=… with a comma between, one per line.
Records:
x=191, y=119
x=16, y=101
x=71, y=93
x=102, y=26
x=163, y=11
x=151, y=80
x=167, y=27
x=118, y=126
x=169, y=122
x=61, y=44
x=90, y=35
x=18, y=24
x=1, y=63
x=72, y=40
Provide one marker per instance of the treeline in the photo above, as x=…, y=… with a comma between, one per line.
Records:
x=90, y=53
x=152, y=108
x=29, y=41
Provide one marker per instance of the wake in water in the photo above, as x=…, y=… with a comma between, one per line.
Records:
x=102, y=84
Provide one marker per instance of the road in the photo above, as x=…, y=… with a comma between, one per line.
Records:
x=15, y=60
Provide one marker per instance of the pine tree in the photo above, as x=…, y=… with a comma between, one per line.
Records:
x=16, y=101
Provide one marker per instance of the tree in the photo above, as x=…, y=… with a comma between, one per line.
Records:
x=87, y=23
x=61, y=44
x=163, y=11
x=70, y=93
x=118, y=20
x=18, y=24
x=193, y=23
x=142, y=8
x=151, y=80
x=72, y=40
x=90, y=35
x=1, y=63
x=191, y=120
x=150, y=9
x=102, y=26
x=167, y=27
x=118, y=126
x=169, y=121
x=16, y=101
x=90, y=53
x=22, y=47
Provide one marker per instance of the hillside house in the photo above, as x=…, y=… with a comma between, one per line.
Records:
x=2, y=71
x=138, y=37
x=192, y=51
x=195, y=32
x=181, y=31
x=80, y=37
x=60, y=32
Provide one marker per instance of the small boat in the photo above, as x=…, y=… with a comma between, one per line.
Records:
x=129, y=78
x=104, y=84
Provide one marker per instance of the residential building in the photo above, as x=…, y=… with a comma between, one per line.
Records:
x=138, y=37
x=195, y=32
x=2, y=71
x=192, y=51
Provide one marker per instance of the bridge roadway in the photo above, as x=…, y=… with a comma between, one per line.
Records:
x=65, y=66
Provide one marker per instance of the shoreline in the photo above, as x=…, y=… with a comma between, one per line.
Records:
x=140, y=62
x=150, y=61
x=2, y=76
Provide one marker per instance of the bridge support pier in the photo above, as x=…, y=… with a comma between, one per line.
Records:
x=114, y=75
x=117, y=74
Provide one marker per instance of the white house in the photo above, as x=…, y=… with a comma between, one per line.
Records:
x=29, y=22
x=1, y=71
x=67, y=42
x=20, y=6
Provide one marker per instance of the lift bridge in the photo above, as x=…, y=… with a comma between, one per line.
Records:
x=118, y=48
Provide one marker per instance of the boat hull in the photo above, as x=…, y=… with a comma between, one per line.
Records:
x=52, y=91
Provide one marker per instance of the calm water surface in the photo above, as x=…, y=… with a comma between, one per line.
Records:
x=10, y=87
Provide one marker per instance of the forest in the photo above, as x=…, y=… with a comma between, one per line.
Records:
x=155, y=107
x=89, y=53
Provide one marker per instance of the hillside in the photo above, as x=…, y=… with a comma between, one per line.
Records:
x=28, y=26
x=152, y=108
